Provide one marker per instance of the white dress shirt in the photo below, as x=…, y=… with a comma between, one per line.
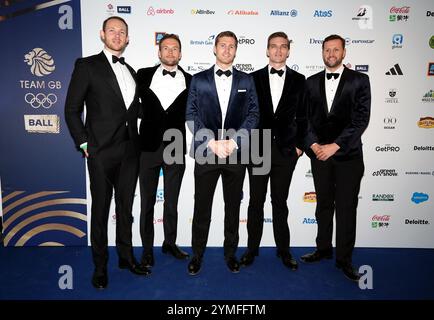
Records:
x=276, y=86
x=331, y=85
x=224, y=86
x=167, y=88
x=125, y=79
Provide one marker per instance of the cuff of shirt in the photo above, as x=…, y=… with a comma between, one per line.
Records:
x=83, y=146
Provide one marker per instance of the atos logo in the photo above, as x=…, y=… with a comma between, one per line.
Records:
x=309, y=221
x=419, y=197
x=323, y=13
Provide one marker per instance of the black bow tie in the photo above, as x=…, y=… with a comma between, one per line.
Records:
x=279, y=72
x=227, y=73
x=334, y=75
x=116, y=59
x=172, y=73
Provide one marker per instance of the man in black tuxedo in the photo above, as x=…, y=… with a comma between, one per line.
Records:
x=338, y=103
x=222, y=108
x=282, y=111
x=163, y=90
x=109, y=141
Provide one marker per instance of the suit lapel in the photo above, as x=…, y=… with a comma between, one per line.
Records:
x=322, y=92
x=266, y=90
x=110, y=77
x=287, y=84
x=234, y=89
x=213, y=89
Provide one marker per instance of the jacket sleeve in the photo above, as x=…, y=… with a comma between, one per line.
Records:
x=359, y=115
x=74, y=104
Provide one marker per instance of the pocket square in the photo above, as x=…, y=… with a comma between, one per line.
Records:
x=242, y=90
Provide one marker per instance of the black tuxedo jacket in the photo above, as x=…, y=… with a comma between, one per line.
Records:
x=348, y=116
x=156, y=120
x=288, y=123
x=204, y=112
x=108, y=121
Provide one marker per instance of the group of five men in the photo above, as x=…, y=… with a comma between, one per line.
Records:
x=324, y=115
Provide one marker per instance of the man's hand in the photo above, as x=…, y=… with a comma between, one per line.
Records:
x=299, y=152
x=325, y=151
x=219, y=148
x=230, y=146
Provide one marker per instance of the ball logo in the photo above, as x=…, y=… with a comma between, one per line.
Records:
x=40, y=62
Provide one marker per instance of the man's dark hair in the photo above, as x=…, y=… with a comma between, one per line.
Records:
x=114, y=17
x=279, y=34
x=334, y=37
x=169, y=36
x=229, y=34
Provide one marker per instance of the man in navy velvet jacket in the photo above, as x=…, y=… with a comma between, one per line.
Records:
x=222, y=108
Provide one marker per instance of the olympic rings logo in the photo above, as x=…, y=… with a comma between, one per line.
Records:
x=40, y=100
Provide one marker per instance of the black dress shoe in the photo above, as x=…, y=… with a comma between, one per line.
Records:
x=148, y=260
x=288, y=261
x=348, y=271
x=175, y=251
x=100, y=280
x=316, y=256
x=248, y=258
x=233, y=264
x=134, y=267
x=195, y=265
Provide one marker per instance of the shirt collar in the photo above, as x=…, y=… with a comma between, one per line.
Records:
x=109, y=55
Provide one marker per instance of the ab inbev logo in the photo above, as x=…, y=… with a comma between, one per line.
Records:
x=40, y=62
x=202, y=11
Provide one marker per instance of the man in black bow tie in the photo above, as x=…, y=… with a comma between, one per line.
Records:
x=109, y=141
x=222, y=108
x=338, y=103
x=163, y=90
x=282, y=114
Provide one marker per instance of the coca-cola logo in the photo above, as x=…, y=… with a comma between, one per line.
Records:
x=400, y=10
x=384, y=217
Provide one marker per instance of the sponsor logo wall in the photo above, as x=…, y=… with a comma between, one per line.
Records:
x=390, y=42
